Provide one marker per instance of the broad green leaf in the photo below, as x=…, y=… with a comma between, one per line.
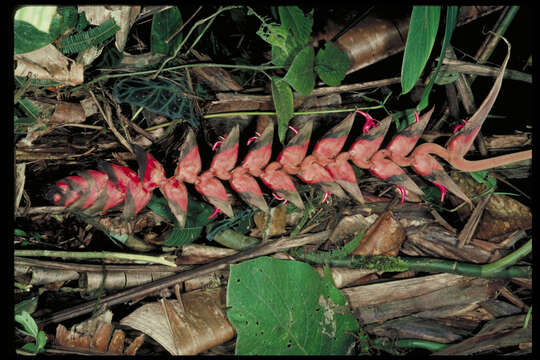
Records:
x=451, y=18
x=30, y=347
x=40, y=17
x=300, y=75
x=299, y=25
x=164, y=25
x=281, y=307
x=66, y=18
x=27, y=38
x=420, y=39
x=284, y=104
x=332, y=64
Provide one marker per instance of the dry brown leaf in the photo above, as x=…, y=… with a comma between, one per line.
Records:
x=94, y=334
x=384, y=237
x=278, y=216
x=350, y=226
x=47, y=63
x=198, y=325
x=68, y=113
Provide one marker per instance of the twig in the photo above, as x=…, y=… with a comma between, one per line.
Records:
x=183, y=25
x=110, y=123
x=145, y=289
x=468, y=230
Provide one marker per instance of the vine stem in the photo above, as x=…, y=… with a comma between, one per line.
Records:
x=255, y=113
x=95, y=255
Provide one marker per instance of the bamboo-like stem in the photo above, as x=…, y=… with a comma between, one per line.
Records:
x=106, y=255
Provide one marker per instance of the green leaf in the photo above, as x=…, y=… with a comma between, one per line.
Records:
x=197, y=219
x=284, y=104
x=28, y=305
x=299, y=25
x=27, y=38
x=283, y=307
x=29, y=324
x=40, y=17
x=65, y=19
x=31, y=348
x=93, y=37
x=29, y=108
x=41, y=340
x=164, y=25
x=332, y=64
x=420, y=39
x=451, y=19
x=300, y=75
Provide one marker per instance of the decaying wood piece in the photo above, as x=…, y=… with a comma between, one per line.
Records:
x=399, y=300
x=91, y=281
x=412, y=327
x=497, y=333
x=435, y=241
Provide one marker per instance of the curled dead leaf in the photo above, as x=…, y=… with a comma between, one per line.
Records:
x=384, y=237
x=47, y=63
x=198, y=324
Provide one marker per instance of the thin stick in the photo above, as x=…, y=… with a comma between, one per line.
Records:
x=221, y=264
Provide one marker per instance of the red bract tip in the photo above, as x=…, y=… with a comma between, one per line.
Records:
x=279, y=197
x=416, y=117
x=326, y=196
x=293, y=129
x=215, y=213
x=251, y=139
x=370, y=122
x=216, y=144
x=403, y=192
x=458, y=127
x=442, y=189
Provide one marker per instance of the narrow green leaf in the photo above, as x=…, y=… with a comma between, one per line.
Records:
x=284, y=104
x=332, y=64
x=164, y=25
x=451, y=19
x=300, y=75
x=420, y=39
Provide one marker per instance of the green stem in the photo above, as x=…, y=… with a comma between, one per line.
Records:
x=95, y=255
x=387, y=345
x=501, y=268
x=508, y=260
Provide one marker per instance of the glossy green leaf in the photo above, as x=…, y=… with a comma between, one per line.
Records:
x=300, y=75
x=332, y=64
x=284, y=104
x=420, y=39
x=281, y=307
x=164, y=25
x=451, y=19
